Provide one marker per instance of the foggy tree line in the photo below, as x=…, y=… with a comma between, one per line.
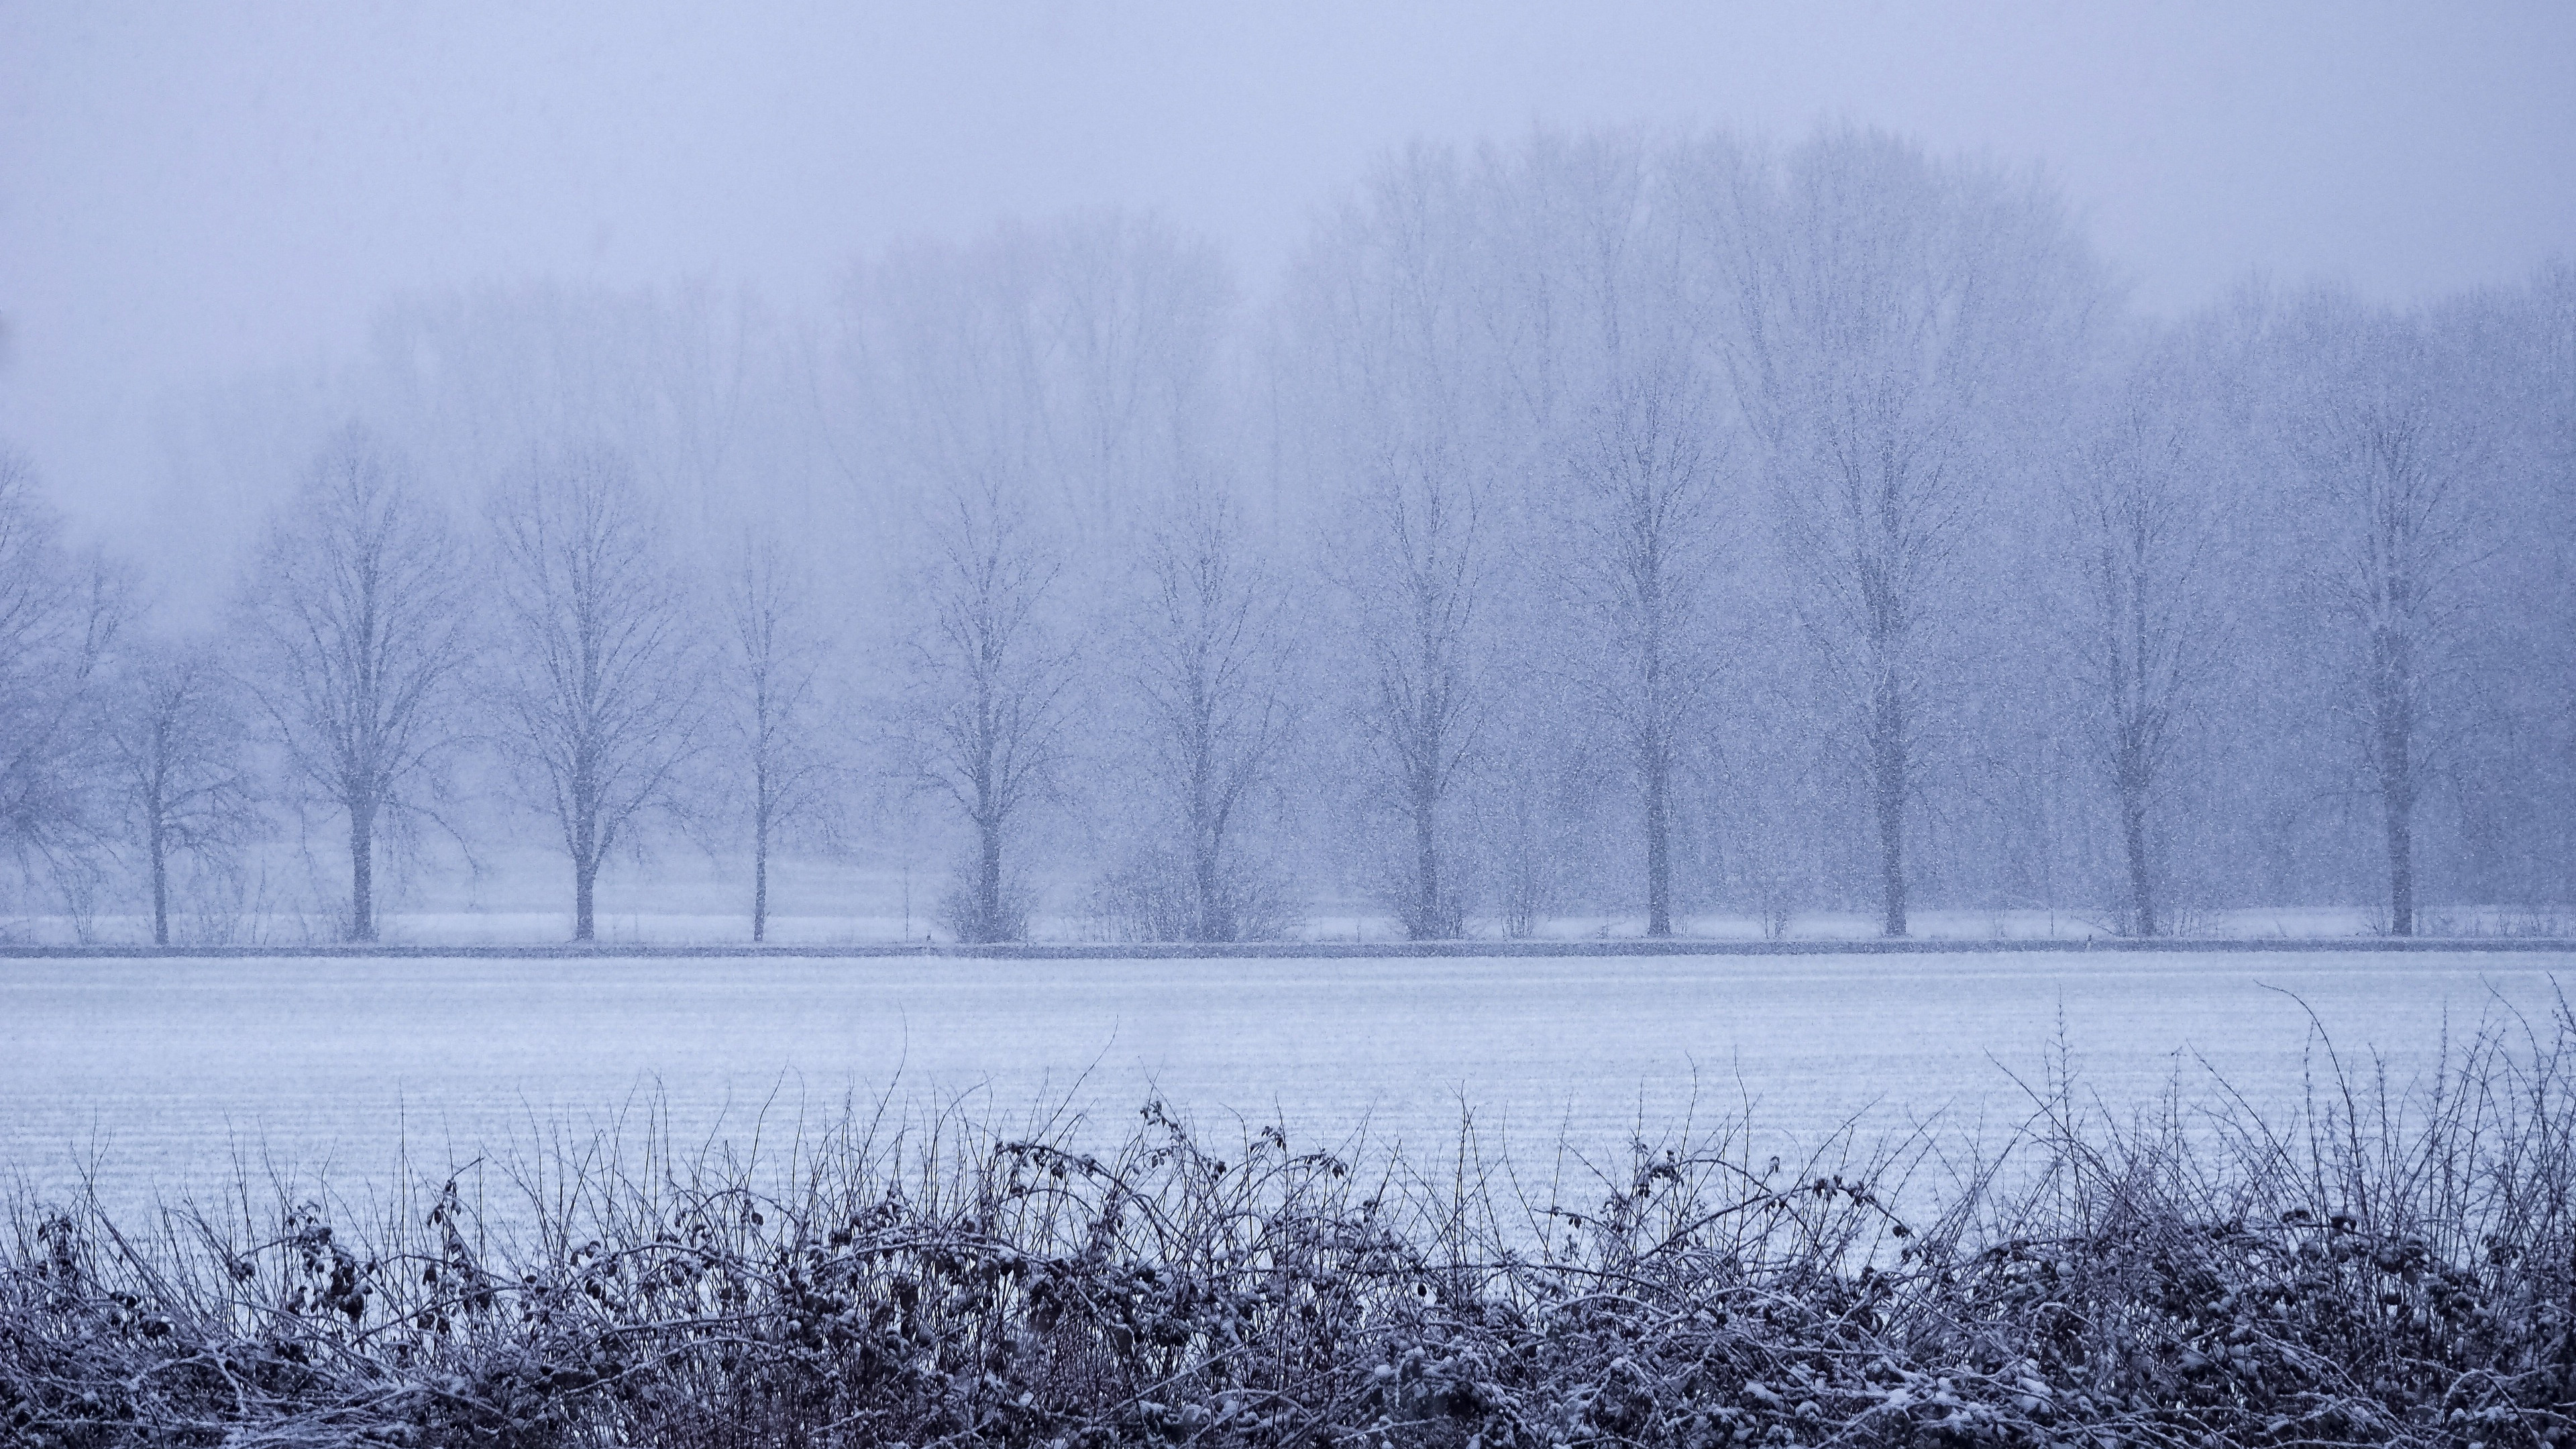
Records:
x=1599, y=525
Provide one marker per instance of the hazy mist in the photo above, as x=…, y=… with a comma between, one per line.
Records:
x=1200, y=473
x=193, y=193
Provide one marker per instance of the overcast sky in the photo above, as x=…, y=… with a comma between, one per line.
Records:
x=189, y=192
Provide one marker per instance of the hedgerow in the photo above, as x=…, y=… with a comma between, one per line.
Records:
x=2386, y=1265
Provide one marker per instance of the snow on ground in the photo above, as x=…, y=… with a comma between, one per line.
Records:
x=154, y=1074
x=522, y=895
x=677, y=925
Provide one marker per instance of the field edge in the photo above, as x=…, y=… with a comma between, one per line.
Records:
x=1286, y=950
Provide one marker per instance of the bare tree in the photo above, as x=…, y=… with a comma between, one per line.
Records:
x=1606, y=365
x=1886, y=320
x=59, y=617
x=357, y=616
x=1418, y=606
x=2388, y=459
x=989, y=683
x=2546, y=367
x=1646, y=473
x=2153, y=630
x=180, y=744
x=772, y=660
x=1392, y=338
x=1041, y=379
x=1211, y=662
x=602, y=693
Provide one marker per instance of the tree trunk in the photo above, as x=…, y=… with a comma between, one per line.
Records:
x=585, y=874
x=988, y=885
x=583, y=841
x=1887, y=729
x=760, y=876
x=362, y=871
x=1207, y=826
x=1428, y=918
x=1212, y=923
x=2142, y=889
x=2397, y=782
x=1659, y=864
x=2401, y=872
x=160, y=883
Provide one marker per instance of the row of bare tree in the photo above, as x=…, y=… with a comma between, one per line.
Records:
x=376, y=648
x=373, y=645
x=1892, y=408
x=1600, y=523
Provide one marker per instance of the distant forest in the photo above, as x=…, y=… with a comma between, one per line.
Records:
x=1610, y=525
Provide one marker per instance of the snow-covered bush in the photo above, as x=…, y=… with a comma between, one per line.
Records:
x=2394, y=1268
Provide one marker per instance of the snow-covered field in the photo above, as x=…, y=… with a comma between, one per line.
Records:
x=156, y=1074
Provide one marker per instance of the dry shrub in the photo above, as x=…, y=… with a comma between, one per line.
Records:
x=1153, y=896
x=2387, y=1266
